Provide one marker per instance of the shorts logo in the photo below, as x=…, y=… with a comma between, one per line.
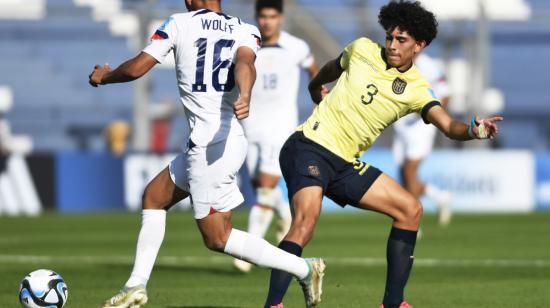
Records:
x=313, y=171
x=398, y=86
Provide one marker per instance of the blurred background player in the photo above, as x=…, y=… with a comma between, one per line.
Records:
x=414, y=140
x=273, y=116
x=214, y=56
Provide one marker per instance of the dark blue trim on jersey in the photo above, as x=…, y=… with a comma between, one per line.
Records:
x=272, y=45
x=339, y=60
x=160, y=35
x=427, y=108
x=206, y=11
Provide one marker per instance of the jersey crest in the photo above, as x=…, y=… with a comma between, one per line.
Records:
x=398, y=86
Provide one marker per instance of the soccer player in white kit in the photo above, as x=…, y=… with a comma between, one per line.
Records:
x=414, y=141
x=214, y=55
x=273, y=117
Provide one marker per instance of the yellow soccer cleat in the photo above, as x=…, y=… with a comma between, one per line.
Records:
x=135, y=297
x=312, y=285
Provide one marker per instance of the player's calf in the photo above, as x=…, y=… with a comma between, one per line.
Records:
x=307, y=208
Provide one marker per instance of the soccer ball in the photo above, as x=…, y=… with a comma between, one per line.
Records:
x=43, y=288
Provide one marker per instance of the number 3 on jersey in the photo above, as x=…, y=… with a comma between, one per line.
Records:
x=217, y=66
x=372, y=91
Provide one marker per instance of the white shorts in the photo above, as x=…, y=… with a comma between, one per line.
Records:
x=263, y=156
x=209, y=174
x=413, y=140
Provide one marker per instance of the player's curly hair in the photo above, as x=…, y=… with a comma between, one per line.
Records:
x=271, y=4
x=411, y=17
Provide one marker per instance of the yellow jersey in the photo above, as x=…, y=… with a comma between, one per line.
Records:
x=368, y=97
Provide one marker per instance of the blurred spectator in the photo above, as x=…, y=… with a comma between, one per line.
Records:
x=17, y=144
x=160, y=131
x=162, y=115
x=5, y=105
x=3, y=130
x=116, y=135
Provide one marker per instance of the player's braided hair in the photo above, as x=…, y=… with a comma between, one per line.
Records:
x=271, y=4
x=411, y=17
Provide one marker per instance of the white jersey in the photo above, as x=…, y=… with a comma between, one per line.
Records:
x=273, y=107
x=435, y=76
x=413, y=138
x=205, y=44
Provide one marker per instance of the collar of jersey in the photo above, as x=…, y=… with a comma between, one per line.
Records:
x=206, y=11
x=276, y=45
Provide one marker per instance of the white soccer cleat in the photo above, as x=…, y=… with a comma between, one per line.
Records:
x=242, y=265
x=312, y=285
x=135, y=297
x=445, y=213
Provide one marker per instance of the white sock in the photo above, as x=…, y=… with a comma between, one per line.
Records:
x=153, y=223
x=258, y=251
x=439, y=196
x=259, y=220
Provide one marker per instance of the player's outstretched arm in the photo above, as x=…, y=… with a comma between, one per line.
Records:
x=457, y=130
x=245, y=76
x=127, y=71
x=328, y=73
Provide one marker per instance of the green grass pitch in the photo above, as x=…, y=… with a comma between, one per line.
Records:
x=479, y=261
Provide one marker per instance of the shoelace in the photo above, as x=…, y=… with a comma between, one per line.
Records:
x=117, y=297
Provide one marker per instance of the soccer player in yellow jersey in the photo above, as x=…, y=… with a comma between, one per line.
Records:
x=376, y=86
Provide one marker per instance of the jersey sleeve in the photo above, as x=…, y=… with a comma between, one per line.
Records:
x=345, y=56
x=306, y=57
x=163, y=40
x=424, y=101
x=250, y=38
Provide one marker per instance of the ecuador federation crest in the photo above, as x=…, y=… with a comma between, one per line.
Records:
x=398, y=86
x=313, y=170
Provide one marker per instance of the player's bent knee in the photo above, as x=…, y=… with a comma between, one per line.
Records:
x=409, y=213
x=153, y=200
x=267, y=196
x=215, y=244
x=414, y=211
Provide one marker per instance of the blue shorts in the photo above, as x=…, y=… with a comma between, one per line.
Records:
x=305, y=163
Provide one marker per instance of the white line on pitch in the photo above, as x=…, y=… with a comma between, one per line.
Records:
x=186, y=260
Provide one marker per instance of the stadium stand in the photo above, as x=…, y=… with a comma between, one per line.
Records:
x=48, y=50
x=46, y=61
